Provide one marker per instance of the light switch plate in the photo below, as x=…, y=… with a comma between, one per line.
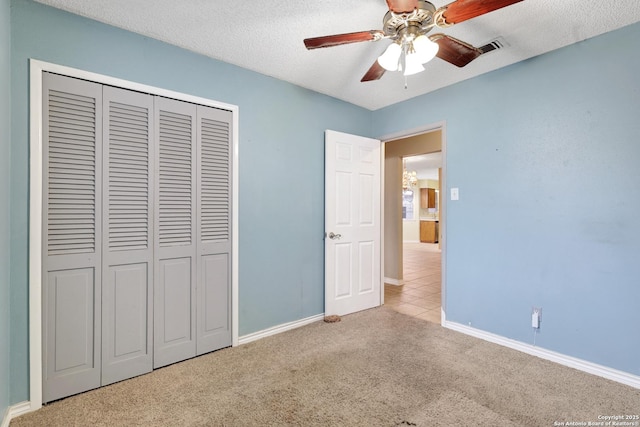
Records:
x=455, y=195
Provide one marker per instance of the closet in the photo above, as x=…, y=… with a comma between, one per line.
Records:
x=136, y=230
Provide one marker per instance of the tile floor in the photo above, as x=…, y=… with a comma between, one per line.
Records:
x=420, y=296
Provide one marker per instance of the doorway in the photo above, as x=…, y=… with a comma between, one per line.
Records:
x=413, y=263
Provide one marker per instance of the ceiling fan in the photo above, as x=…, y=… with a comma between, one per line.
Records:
x=406, y=23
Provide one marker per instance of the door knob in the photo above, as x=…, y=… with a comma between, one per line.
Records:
x=334, y=236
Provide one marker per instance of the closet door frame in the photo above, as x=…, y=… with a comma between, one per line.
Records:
x=36, y=162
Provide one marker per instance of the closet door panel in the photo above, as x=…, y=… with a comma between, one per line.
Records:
x=126, y=326
x=71, y=351
x=174, y=317
x=175, y=225
x=214, y=229
x=72, y=144
x=214, y=323
x=127, y=344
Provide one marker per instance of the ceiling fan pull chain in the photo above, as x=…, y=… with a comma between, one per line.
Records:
x=405, y=82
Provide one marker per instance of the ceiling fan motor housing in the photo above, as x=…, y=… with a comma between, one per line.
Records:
x=420, y=21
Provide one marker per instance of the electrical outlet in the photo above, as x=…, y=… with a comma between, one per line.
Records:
x=536, y=317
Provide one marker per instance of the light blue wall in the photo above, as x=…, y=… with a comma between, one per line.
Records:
x=281, y=161
x=5, y=179
x=546, y=154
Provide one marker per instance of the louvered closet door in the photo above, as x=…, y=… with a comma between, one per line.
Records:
x=214, y=229
x=127, y=270
x=72, y=141
x=175, y=244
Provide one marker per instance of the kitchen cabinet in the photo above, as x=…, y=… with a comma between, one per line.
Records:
x=427, y=198
x=429, y=231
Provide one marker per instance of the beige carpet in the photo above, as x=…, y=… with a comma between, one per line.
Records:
x=374, y=368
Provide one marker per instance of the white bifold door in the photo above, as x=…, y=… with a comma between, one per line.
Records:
x=137, y=241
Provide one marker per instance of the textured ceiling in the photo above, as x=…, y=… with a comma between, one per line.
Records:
x=266, y=36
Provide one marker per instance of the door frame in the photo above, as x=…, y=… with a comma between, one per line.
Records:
x=36, y=70
x=441, y=126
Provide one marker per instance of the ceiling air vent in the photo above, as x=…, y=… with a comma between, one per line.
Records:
x=495, y=44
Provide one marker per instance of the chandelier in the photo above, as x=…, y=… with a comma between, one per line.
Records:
x=409, y=179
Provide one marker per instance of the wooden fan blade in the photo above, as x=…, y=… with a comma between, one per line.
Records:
x=338, y=39
x=375, y=72
x=461, y=10
x=455, y=51
x=402, y=6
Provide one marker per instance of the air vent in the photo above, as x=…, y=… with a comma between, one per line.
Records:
x=495, y=44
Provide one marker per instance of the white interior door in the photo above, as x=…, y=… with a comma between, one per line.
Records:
x=352, y=223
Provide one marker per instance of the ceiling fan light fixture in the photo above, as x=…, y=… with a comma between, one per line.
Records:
x=425, y=48
x=412, y=64
x=390, y=59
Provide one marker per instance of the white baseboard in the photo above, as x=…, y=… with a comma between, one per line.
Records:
x=572, y=362
x=245, y=339
x=15, y=411
x=395, y=282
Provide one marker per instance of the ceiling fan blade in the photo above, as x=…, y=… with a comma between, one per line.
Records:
x=338, y=39
x=402, y=6
x=375, y=72
x=462, y=10
x=455, y=51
